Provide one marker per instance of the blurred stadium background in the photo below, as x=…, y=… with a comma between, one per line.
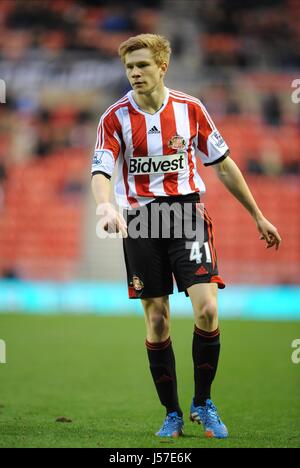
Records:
x=60, y=65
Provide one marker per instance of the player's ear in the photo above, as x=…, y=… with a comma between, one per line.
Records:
x=164, y=68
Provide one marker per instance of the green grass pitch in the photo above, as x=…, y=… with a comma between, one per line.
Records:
x=93, y=370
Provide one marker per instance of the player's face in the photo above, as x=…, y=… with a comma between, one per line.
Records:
x=143, y=72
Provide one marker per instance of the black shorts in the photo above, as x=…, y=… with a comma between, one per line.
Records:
x=167, y=241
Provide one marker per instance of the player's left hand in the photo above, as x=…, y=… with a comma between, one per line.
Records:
x=268, y=233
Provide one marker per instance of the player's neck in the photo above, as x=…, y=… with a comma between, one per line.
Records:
x=153, y=101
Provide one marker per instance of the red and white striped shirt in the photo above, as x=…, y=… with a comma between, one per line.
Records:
x=156, y=154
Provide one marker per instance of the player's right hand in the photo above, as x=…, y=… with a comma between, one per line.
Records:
x=110, y=220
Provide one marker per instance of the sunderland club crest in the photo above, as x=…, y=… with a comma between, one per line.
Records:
x=177, y=142
x=137, y=283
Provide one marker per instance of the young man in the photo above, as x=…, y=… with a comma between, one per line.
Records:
x=155, y=135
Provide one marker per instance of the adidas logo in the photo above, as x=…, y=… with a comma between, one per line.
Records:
x=202, y=271
x=154, y=129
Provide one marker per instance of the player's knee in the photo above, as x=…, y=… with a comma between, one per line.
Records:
x=158, y=323
x=207, y=311
x=157, y=316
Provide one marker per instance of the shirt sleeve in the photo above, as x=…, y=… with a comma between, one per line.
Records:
x=210, y=143
x=108, y=145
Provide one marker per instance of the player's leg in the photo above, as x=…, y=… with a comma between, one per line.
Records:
x=162, y=362
x=196, y=273
x=150, y=279
x=206, y=339
x=206, y=350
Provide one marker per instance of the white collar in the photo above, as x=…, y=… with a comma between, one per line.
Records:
x=141, y=111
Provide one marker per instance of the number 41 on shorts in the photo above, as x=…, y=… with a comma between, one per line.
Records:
x=196, y=254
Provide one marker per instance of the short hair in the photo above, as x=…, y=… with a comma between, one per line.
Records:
x=158, y=45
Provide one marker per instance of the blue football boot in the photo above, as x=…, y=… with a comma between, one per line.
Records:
x=207, y=416
x=172, y=426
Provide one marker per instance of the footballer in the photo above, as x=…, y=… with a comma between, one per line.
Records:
x=152, y=137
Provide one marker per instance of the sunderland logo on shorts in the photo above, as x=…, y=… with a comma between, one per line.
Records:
x=157, y=164
x=137, y=283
